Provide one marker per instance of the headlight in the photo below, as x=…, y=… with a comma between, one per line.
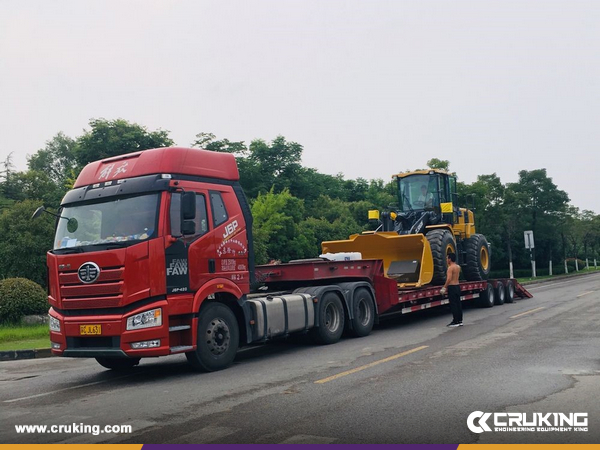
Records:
x=148, y=319
x=54, y=324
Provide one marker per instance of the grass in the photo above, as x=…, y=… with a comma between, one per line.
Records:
x=24, y=337
x=525, y=280
x=27, y=344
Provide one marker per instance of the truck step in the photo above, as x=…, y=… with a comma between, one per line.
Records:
x=179, y=328
x=181, y=348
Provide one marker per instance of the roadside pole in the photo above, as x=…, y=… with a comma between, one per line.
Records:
x=529, y=243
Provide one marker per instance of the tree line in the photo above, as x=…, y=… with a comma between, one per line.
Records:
x=295, y=208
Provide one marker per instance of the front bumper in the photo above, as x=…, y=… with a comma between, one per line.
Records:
x=115, y=340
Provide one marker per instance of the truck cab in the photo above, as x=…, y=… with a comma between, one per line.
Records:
x=142, y=240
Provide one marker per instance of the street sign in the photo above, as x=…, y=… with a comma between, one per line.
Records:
x=529, y=239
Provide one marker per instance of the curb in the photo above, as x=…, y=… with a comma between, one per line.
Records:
x=13, y=355
x=558, y=278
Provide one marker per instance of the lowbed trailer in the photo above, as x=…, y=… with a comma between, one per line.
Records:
x=344, y=277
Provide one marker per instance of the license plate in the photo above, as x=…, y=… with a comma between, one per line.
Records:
x=87, y=330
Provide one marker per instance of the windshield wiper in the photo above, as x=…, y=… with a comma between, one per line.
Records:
x=67, y=250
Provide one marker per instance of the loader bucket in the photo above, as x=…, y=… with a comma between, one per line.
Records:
x=406, y=259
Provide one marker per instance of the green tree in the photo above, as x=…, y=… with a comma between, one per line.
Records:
x=276, y=233
x=441, y=164
x=108, y=138
x=24, y=242
x=208, y=141
x=56, y=160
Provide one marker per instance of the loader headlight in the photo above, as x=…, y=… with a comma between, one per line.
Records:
x=147, y=319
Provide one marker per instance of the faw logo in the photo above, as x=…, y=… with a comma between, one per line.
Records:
x=178, y=267
x=230, y=229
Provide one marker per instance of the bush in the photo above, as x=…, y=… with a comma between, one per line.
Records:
x=20, y=297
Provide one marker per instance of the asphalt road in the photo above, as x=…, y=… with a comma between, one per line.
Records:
x=411, y=381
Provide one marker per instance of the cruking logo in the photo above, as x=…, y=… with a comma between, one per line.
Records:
x=178, y=267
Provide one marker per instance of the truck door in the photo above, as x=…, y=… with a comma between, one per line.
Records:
x=189, y=265
x=231, y=240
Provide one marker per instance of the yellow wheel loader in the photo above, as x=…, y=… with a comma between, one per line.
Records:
x=413, y=241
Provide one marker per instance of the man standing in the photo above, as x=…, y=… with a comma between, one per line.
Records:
x=453, y=289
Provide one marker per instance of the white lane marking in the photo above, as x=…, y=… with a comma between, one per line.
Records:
x=43, y=394
x=585, y=293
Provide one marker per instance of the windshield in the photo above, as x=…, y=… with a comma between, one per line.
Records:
x=418, y=192
x=118, y=220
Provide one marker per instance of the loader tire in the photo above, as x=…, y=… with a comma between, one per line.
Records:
x=477, y=258
x=441, y=242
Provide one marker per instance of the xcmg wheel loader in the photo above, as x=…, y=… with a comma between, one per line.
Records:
x=414, y=240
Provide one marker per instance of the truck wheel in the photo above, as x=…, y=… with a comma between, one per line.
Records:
x=118, y=363
x=331, y=320
x=486, y=297
x=500, y=293
x=441, y=243
x=510, y=291
x=477, y=258
x=363, y=313
x=218, y=339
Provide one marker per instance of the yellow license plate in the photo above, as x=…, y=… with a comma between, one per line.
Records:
x=87, y=330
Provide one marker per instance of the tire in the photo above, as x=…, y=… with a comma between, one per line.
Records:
x=486, y=297
x=363, y=316
x=118, y=363
x=441, y=242
x=510, y=291
x=500, y=294
x=477, y=258
x=330, y=321
x=218, y=339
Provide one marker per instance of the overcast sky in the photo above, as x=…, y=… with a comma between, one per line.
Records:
x=369, y=88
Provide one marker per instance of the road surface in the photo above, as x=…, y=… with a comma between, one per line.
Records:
x=411, y=381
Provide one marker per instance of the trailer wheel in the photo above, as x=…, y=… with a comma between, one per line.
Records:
x=441, y=243
x=510, y=291
x=500, y=294
x=477, y=258
x=363, y=313
x=331, y=320
x=118, y=363
x=218, y=339
x=486, y=297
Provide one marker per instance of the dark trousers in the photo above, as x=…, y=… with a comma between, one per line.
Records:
x=455, y=304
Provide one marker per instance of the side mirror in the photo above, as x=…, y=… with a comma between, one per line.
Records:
x=188, y=227
x=38, y=212
x=188, y=206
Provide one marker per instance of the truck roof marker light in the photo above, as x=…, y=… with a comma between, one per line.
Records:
x=166, y=176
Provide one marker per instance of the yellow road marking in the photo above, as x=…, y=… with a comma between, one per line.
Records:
x=368, y=366
x=585, y=293
x=528, y=312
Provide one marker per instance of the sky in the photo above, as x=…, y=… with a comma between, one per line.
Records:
x=369, y=88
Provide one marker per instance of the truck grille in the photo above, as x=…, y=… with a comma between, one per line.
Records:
x=105, y=292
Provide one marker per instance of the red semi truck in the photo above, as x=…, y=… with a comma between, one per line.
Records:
x=153, y=256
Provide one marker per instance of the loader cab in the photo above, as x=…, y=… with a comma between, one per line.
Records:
x=425, y=190
x=426, y=197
